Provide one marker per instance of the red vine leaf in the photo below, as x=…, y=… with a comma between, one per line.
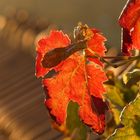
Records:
x=56, y=39
x=129, y=21
x=136, y=35
x=126, y=42
x=96, y=46
x=76, y=80
x=130, y=14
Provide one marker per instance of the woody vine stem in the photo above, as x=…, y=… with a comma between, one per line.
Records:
x=124, y=59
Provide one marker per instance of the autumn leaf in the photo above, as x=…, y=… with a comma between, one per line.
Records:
x=71, y=85
x=130, y=23
x=96, y=46
x=77, y=79
x=56, y=39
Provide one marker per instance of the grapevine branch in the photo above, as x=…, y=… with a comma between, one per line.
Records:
x=124, y=59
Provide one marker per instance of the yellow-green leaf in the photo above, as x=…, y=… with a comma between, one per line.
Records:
x=130, y=118
x=114, y=94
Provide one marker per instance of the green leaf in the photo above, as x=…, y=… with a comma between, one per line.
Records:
x=74, y=125
x=132, y=77
x=114, y=95
x=116, y=113
x=130, y=118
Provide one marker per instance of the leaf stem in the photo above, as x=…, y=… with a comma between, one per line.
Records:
x=124, y=59
x=117, y=57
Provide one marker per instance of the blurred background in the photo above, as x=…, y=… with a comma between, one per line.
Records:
x=22, y=22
